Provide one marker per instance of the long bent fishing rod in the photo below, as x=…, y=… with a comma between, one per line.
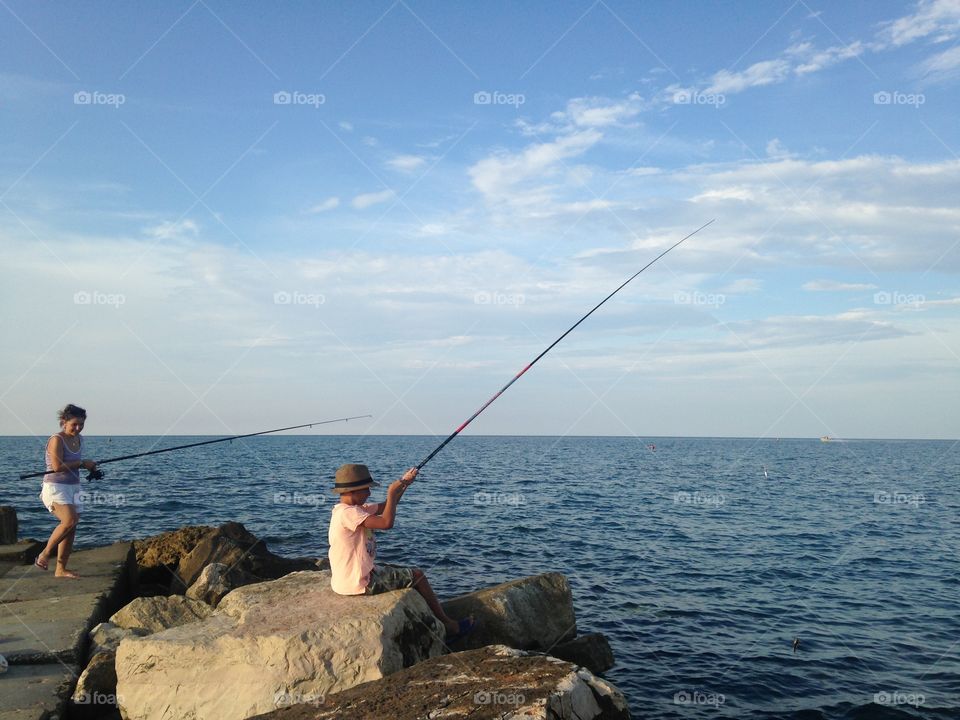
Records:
x=516, y=377
x=205, y=442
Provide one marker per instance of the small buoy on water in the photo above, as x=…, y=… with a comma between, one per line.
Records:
x=765, y=471
x=796, y=644
x=653, y=448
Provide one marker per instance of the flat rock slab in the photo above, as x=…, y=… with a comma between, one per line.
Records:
x=495, y=682
x=31, y=692
x=20, y=553
x=44, y=619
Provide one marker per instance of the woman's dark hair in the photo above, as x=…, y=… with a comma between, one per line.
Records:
x=72, y=412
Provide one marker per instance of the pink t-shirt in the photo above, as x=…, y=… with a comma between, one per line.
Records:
x=353, y=548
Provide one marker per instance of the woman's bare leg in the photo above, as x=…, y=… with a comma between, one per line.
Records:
x=61, y=539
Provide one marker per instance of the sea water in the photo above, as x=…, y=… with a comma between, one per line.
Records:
x=701, y=559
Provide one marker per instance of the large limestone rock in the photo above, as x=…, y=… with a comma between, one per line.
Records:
x=493, y=682
x=106, y=637
x=154, y=614
x=591, y=651
x=215, y=581
x=158, y=557
x=97, y=684
x=173, y=561
x=533, y=613
x=288, y=637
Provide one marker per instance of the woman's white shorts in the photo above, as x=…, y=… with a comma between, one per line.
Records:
x=62, y=494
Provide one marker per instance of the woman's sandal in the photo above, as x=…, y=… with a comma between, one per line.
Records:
x=42, y=564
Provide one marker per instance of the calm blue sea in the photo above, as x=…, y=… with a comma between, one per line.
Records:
x=701, y=559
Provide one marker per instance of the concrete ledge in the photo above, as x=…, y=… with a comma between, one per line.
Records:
x=21, y=553
x=35, y=692
x=44, y=623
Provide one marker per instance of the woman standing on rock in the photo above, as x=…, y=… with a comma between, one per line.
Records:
x=61, y=488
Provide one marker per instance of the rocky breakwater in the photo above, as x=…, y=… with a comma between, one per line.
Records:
x=292, y=637
x=293, y=641
x=492, y=683
x=205, y=563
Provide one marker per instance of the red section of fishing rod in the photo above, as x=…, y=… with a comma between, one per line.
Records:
x=516, y=377
x=204, y=442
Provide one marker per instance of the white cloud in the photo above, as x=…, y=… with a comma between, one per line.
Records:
x=406, y=163
x=938, y=20
x=348, y=127
x=742, y=286
x=329, y=204
x=819, y=60
x=592, y=112
x=173, y=230
x=500, y=178
x=766, y=72
x=361, y=202
x=942, y=66
x=836, y=286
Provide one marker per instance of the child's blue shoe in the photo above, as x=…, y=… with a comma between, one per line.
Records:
x=464, y=628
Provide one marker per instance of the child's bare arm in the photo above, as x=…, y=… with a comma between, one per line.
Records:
x=387, y=511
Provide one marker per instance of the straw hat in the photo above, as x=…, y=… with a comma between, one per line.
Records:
x=352, y=477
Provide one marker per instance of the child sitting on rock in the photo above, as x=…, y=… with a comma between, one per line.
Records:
x=353, y=547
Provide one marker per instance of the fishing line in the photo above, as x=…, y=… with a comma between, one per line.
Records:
x=98, y=475
x=516, y=377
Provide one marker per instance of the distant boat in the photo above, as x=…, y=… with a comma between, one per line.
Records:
x=827, y=438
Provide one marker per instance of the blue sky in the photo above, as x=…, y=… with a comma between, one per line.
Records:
x=218, y=218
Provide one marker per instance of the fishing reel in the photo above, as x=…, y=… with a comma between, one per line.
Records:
x=95, y=474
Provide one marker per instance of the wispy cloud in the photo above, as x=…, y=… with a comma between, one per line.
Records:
x=361, y=202
x=406, y=163
x=836, y=286
x=329, y=204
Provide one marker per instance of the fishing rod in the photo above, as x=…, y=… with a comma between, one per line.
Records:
x=516, y=377
x=98, y=475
